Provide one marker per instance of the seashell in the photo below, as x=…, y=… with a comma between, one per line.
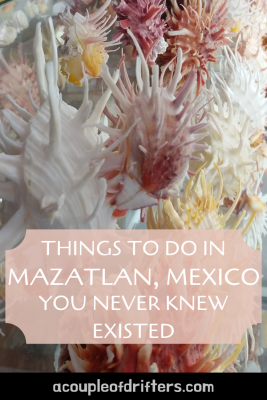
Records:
x=87, y=36
x=198, y=208
x=31, y=9
x=18, y=79
x=144, y=19
x=157, y=153
x=19, y=21
x=251, y=46
x=147, y=358
x=199, y=29
x=7, y=34
x=51, y=174
x=245, y=85
x=230, y=148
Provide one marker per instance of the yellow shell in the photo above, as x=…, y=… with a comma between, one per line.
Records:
x=72, y=70
x=93, y=56
x=196, y=209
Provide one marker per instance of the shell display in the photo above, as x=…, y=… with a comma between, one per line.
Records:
x=196, y=209
x=163, y=140
x=198, y=28
x=18, y=78
x=85, y=44
x=52, y=178
x=144, y=20
x=147, y=358
x=174, y=137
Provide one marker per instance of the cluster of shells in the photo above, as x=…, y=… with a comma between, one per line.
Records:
x=183, y=144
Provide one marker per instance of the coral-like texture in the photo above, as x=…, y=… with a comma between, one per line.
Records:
x=50, y=175
x=85, y=44
x=245, y=85
x=147, y=358
x=157, y=152
x=251, y=45
x=198, y=208
x=199, y=29
x=236, y=133
x=144, y=19
x=232, y=152
x=18, y=78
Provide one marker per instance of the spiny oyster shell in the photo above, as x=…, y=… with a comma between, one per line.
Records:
x=156, y=155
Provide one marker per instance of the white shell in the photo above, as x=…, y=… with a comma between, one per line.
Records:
x=7, y=35
x=31, y=9
x=19, y=20
x=51, y=175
